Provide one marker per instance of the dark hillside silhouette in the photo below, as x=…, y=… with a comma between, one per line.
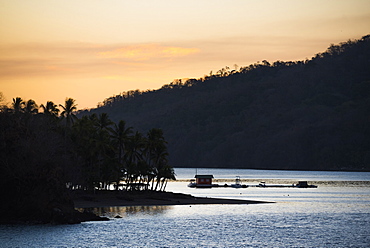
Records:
x=306, y=115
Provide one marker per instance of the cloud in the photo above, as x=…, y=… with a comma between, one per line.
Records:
x=48, y=59
x=87, y=60
x=148, y=52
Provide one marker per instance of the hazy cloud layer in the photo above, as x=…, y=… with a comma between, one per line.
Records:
x=94, y=49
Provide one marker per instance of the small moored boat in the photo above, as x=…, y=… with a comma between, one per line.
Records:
x=238, y=184
x=304, y=184
x=192, y=183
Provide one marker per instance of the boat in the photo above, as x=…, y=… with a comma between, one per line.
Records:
x=192, y=183
x=238, y=184
x=304, y=184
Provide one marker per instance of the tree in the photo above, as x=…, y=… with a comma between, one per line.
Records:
x=133, y=155
x=160, y=156
x=120, y=136
x=103, y=122
x=18, y=105
x=168, y=173
x=31, y=107
x=50, y=109
x=83, y=136
x=154, y=140
x=156, y=155
x=68, y=111
x=105, y=150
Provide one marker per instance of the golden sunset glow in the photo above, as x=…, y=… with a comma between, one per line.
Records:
x=90, y=50
x=147, y=52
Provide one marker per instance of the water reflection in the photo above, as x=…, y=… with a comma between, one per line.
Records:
x=128, y=211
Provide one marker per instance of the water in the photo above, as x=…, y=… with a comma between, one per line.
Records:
x=186, y=173
x=332, y=215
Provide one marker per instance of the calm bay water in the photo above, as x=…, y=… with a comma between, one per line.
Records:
x=336, y=214
x=186, y=173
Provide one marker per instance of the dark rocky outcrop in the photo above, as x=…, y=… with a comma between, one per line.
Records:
x=40, y=203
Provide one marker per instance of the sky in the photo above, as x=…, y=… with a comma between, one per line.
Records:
x=90, y=50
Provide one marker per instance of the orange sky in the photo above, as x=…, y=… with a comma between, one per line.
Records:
x=91, y=49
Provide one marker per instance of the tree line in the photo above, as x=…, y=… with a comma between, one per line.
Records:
x=253, y=71
x=49, y=143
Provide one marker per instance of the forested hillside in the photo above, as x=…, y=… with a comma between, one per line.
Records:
x=307, y=115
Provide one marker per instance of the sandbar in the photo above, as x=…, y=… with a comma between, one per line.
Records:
x=146, y=198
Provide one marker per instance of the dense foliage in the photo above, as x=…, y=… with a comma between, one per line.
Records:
x=44, y=155
x=311, y=115
x=109, y=153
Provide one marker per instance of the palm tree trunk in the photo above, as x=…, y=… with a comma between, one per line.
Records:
x=157, y=184
x=165, y=185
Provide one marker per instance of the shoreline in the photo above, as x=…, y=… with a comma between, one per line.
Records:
x=146, y=198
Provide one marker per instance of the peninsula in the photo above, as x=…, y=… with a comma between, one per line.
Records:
x=145, y=198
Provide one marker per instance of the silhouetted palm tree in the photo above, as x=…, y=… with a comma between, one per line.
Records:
x=103, y=122
x=50, y=109
x=154, y=140
x=95, y=147
x=84, y=137
x=167, y=173
x=69, y=107
x=31, y=107
x=134, y=154
x=120, y=136
x=160, y=158
x=18, y=105
x=144, y=172
x=156, y=153
x=105, y=154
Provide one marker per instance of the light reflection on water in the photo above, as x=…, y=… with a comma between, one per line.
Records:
x=333, y=215
x=271, y=225
x=129, y=211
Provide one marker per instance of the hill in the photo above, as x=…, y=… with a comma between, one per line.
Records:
x=301, y=115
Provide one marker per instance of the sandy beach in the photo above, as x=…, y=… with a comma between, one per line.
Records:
x=145, y=198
